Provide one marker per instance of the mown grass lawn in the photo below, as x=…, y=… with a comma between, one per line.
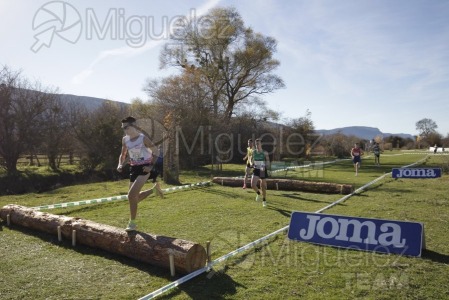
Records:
x=35, y=265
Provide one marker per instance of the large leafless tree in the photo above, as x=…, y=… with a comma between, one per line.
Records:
x=426, y=127
x=22, y=105
x=234, y=62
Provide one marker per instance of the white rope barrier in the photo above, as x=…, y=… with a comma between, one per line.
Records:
x=82, y=202
x=115, y=198
x=321, y=163
x=301, y=166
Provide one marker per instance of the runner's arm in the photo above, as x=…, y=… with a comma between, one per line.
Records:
x=154, y=150
x=122, y=157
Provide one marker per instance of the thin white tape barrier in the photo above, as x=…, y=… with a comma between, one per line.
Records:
x=256, y=242
x=335, y=161
x=210, y=265
x=114, y=198
x=362, y=188
x=301, y=166
x=309, y=165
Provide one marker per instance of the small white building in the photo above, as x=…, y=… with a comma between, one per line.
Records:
x=439, y=149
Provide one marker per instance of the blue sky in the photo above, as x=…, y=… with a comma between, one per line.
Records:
x=377, y=63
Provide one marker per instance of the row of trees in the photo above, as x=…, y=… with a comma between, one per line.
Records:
x=26, y=117
x=34, y=120
x=58, y=128
x=202, y=115
x=224, y=66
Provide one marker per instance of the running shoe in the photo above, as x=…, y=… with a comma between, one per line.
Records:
x=131, y=226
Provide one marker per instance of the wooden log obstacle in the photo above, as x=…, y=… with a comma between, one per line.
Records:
x=291, y=185
x=153, y=249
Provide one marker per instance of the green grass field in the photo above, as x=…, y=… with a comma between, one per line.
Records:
x=35, y=265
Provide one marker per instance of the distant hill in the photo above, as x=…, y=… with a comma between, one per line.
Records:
x=362, y=132
x=91, y=103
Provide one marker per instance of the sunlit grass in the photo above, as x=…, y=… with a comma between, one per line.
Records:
x=35, y=266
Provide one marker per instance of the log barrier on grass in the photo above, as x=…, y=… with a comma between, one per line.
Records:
x=149, y=248
x=291, y=185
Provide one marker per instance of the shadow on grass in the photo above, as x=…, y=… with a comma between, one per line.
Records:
x=86, y=250
x=297, y=196
x=207, y=172
x=226, y=194
x=284, y=212
x=435, y=256
x=215, y=284
x=397, y=190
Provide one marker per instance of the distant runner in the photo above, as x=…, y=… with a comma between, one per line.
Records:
x=261, y=164
x=248, y=157
x=356, y=154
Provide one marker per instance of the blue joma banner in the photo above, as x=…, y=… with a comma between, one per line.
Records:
x=386, y=236
x=416, y=172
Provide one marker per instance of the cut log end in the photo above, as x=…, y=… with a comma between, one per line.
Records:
x=196, y=258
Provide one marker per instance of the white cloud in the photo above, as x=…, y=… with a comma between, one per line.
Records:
x=127, y=51
x=80, y=77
